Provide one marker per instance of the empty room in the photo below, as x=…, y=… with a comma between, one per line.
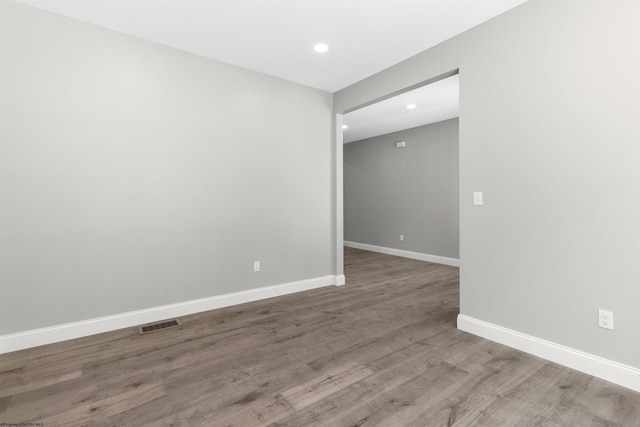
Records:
x=192, y=232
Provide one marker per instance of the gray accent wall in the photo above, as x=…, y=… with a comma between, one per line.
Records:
x=550, y=133
x=135, y=175
x=410, y=191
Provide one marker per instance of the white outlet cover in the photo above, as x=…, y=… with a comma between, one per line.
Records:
x=605, y=319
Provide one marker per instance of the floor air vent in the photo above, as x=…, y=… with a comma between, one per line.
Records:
x=153, y=327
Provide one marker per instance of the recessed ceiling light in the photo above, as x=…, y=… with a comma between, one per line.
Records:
x=321, y=48
x=344, y=126
x=411, y=106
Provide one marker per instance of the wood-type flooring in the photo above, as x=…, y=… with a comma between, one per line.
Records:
x=383, y=350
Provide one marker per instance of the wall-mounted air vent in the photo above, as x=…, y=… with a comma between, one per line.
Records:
x=153, y=327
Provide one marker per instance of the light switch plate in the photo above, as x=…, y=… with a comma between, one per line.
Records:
x=477, y=198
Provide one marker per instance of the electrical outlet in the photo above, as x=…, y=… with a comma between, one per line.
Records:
x=605, y=319
x=256, y=266
x=402, y=237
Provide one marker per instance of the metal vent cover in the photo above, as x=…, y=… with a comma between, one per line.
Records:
x=153, y=327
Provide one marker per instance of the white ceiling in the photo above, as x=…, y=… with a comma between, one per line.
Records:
x=434, y=103
x=276, y=37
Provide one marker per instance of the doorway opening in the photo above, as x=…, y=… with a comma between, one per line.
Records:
x=399, y=167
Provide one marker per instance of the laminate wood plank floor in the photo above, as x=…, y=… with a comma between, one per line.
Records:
x=383, y=350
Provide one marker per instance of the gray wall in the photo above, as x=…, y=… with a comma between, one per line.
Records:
x=135, y=175
x=412, y=191
x=549, y=131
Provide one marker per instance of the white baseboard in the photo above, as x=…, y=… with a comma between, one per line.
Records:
x=340, y=280
x=617, y=373
x=406, y=254
x=53, y=334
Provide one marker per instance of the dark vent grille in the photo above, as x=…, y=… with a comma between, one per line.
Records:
x=158, y=326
